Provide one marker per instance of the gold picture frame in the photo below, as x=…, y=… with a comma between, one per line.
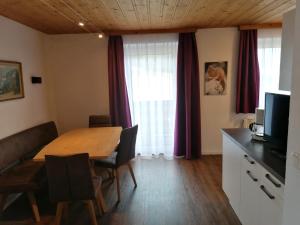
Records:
x=11, y=80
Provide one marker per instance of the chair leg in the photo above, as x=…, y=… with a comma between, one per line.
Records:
x=90, y=206
x=34, y=206
x=100, y=202
x=97, y=207
x=118, y=184
x=3, y=198
x=112, y=175
x=59, y=212
x=132, y=174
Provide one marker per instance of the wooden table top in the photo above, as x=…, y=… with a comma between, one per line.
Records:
x=98, y=142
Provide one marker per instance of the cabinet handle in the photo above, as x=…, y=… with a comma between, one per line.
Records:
x=251, y=176
x=250, y=161
x=273, y=181
x=262, y=187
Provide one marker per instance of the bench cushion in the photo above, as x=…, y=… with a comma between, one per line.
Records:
x=25, y=144
x=26, y=176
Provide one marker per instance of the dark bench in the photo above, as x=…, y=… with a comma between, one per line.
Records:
x=18, y=172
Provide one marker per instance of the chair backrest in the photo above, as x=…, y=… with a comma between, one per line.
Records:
x=99, y=121
x=69, y=178
x=126, y=148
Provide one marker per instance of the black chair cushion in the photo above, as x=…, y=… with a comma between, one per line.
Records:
x=109, y=162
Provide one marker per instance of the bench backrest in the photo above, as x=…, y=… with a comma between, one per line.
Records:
x=25, y=144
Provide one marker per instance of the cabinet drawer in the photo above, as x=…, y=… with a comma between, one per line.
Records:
x=273, y=184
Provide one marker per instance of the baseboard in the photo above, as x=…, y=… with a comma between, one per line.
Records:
x=212, y=153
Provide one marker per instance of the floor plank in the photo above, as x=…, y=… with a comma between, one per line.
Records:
x=169, y=192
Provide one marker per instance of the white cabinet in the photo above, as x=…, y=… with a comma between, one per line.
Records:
x=287, y=46
x=254, y=194
x=232, y=156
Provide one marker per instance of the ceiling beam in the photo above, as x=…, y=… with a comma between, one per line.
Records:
x=260, y=26
x=189, y=29
x=150, y=31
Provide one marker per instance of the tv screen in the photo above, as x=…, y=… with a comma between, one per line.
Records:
x=276, y=119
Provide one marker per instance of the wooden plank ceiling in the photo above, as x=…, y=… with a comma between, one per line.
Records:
x=62, y=16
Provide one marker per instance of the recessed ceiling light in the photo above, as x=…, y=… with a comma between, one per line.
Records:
x=81, y=24
x=100, y=36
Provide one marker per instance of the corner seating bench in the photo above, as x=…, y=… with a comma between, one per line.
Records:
x=18, y=172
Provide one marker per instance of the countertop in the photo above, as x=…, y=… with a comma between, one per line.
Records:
x=261, y=152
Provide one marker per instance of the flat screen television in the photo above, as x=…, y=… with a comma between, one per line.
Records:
x=276, y=120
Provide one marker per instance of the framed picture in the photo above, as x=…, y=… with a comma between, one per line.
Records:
x=215, y=78
x=11, y=80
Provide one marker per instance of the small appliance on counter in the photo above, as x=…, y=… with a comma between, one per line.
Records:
x=257, y=127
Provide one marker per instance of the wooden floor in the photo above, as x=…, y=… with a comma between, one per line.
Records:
x=169, y=192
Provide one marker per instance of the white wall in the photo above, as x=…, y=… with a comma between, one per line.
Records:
x=78, y=66
x=286, y=64
x=23, y=44
x=291, y=215
x=218, y=44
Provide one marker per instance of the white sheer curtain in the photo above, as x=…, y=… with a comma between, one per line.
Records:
x=269, y=51
x=150, y=70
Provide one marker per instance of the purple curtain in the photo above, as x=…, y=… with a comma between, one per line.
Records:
x=118, y=98
x=187, y=124
x=247, y=92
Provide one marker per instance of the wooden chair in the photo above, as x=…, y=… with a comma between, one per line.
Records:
x=99, y=121
x=124, y=153
x=70, y=179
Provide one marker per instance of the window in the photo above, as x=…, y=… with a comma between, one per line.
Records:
x=150, y=70
x=269, y=53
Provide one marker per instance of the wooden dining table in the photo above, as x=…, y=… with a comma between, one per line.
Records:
x=97, y=142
